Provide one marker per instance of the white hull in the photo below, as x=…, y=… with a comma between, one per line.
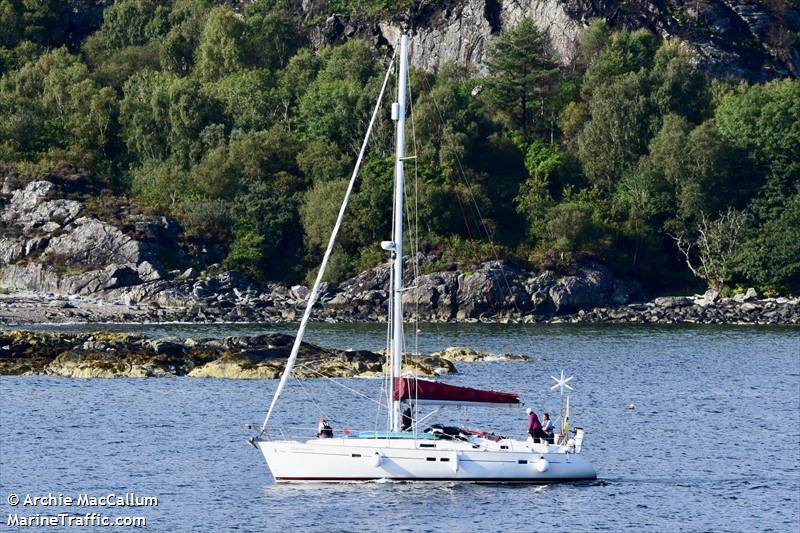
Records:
x=359, y=459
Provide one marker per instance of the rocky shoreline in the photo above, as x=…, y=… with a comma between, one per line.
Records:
x=66, y=256
x=706, y=309
x=111, y=355
x=25, y=308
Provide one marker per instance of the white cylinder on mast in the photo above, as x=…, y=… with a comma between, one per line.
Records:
x=398, y=114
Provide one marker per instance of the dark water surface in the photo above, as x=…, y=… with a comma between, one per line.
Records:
x=713, y=444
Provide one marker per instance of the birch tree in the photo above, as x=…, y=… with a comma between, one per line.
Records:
x=711, y=253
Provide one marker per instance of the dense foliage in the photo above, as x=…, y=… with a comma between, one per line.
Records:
x=231, y=124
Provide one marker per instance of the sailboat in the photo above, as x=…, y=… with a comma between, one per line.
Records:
x=401, y=453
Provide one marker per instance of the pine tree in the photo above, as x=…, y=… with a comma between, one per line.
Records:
x=522, y=75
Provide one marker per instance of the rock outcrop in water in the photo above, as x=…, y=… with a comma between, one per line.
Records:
x=109, y=355
x=460, y=353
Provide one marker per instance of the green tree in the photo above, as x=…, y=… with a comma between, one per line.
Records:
x=163, y=116
x=162, y=184
x=222, y=48
x=114, y=67
x=249, y=98
x=595, y=39
x=10, y=22
x=677, y=84
x=618, y=132
x=337, y=105
x=133, y=23
x=324, y=161
x=247, y=254
x=536, y=195
x=627, y=52
x=216, y=175
x=294, y=82
x=573, y=226
x=273, y=35
x=178, y=46
x=44, y=22
x=144, y=114
x=764, y=122
x=53, y=104
x=521, y=75
x=771, y=257
x=468, y=174
x=320, y=208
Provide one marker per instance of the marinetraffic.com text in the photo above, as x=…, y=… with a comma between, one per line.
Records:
x=80, y=510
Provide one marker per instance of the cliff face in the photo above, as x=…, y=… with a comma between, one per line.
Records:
x=749, y=39
x=730, y=38
x=63, y=232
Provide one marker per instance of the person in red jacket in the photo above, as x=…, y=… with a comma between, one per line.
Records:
x=535, y=427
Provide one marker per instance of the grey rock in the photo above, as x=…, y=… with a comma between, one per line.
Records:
x=148, y=271
x=622, y=293
x=708, y=298
x=31, y=276
x=37, y=243
x=97, y=280
x=30, y=208
x=669, y=302
x=41, y=278
x=590, y=287
x=484, y=291
x=92, y=242
x=299, y=292
x=463, y=32
x=541, y=304
x=168, y=346
x=749, y=295
x=10, y=251
x=50, y=227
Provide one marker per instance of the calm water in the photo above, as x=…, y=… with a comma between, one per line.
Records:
x=713, y=445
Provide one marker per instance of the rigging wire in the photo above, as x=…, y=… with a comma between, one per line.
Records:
x=354, y=391
x=480, y=217
x=416, y=252
x=318, y=281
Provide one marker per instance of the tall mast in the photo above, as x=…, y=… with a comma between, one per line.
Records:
x=399, y=114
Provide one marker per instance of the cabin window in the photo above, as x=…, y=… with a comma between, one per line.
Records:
x=426, y=445
x=444, y=459
x=523, y=461
x=356, y=455
x=503, y=447
x=431, y=458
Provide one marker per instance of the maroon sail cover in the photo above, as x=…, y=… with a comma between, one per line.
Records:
x=421, y=389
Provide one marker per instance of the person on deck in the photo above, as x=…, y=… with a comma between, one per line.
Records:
x=324, y=431
x=408, y=419
x=535, y=427
x=547, y=427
